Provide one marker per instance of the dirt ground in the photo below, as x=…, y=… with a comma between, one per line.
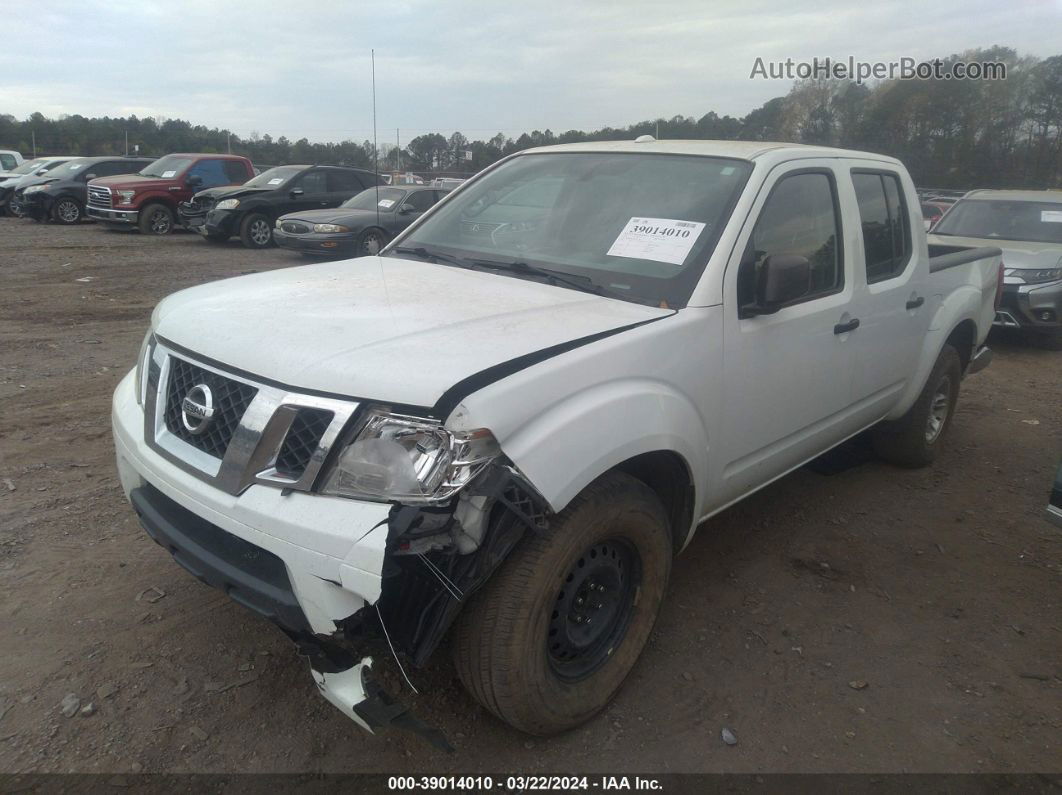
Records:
x=937, y=588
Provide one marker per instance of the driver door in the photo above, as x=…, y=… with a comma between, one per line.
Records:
x=308, y=192
x=413, y=207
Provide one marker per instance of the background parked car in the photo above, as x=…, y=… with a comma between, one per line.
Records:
x=932, y=212
x=23, y=175
x=1027, y=226
x=9, y=161
x=360, y=226
x=148, y=200
x=60, y=194
x=250, y=210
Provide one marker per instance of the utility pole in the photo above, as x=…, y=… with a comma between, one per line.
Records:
x=229, y=142
x=657, y=136
x=127, y=143
x=398, y=151
x=33, y=135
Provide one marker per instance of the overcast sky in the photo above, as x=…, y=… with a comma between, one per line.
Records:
x=302, y=69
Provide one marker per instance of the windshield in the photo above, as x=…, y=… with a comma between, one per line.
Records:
x=274, y=177
x=69, y=169
x=641, y=226
x=366, y=200
x=1034, y=222
x=28, y=166
x=167, y=167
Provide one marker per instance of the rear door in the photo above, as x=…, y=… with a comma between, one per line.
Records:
x=786, y=376
x=342, y=184
x=309, y=191
x=416, y=203
x=890, y=300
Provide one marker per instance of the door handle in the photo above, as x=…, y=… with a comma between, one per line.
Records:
x=844, y=328
x=914, y=303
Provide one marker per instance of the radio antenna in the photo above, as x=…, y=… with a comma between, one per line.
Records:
x=375, y=148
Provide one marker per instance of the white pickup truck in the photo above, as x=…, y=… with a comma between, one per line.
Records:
x=504, y=427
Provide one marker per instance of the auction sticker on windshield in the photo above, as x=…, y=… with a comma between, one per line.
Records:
x=168, y=174
x=386, y=203
x=276, y=180
x=656, y=239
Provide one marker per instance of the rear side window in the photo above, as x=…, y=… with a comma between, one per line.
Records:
x=8, y=162
x=235, y=171
x=883, y=218
x=344, y=182
x=212, y=172
x=799, y=217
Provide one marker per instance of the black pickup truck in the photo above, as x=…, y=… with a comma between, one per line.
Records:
x=251, y=209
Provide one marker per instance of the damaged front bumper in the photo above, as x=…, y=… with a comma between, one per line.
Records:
x=340, y=577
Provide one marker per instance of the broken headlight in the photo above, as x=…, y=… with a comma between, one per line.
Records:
x=408, y=459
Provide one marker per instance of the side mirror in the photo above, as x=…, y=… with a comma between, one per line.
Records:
x=782, y=278
x=194, y=181
x=40, y=172
x=296, y=192
x=87, y=177
x=406, y=209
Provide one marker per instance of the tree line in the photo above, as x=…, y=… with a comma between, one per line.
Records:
x=949, y=133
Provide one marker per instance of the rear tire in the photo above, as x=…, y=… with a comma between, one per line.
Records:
x=526, y=647
x=155, y=219
x=915, y=439
x=68, y=211
x=256, y=231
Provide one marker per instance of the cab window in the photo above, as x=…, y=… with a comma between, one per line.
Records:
x=212, y=172
x=883, y=219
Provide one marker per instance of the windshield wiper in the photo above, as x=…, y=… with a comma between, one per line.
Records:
x=423, y=253
x=582, y=283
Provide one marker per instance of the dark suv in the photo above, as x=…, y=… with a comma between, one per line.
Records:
x=60, y=194
x=250, y=210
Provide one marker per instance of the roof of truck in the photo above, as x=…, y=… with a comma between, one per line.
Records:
x=1051, y=196
x=742, y=150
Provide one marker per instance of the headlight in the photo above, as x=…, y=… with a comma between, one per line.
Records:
x=35, y=188
x=227, y=204
x=325, y=228
x=409, y=459
x=126, y=196
x=1031, y=276
x=139, y=377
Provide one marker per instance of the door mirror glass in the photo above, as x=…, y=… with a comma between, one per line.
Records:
x=782, y=278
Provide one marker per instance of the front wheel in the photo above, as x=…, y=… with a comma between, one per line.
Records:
x=549, y=640
x=156, y=219
x=67, y=211
x=256, y=231
x=370, y=242
x=914, y=440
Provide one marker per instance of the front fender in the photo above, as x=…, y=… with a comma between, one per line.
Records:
x=562, y=449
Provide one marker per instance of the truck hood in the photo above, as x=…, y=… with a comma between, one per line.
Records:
x=134, y=181
x=1016, y=253
x=382, y=328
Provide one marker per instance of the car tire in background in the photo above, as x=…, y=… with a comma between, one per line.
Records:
x=370, y=242
x=256, y=231
x=915, y=439
x=155, y=219
x=548, y=641
x=67, y=210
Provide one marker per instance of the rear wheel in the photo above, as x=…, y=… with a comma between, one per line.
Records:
x=156, y=219
x=67, y=210
x=370, y=242
x=256, y=231
x=914, y=440
x=549, y=640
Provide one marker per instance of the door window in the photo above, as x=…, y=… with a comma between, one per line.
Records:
x=883, y=218
x=344, y=182
x=8, y=162
x=235, y=171
x=799, y=217
x=212, y=172
x=421, y=200
x=314, y=182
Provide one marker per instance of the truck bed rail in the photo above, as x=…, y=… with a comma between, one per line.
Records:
x=944, y=257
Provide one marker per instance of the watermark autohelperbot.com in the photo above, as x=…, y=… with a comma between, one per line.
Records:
x=902, y=68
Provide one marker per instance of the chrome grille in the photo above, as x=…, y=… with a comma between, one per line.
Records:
x=99, y=196
x=259, y=432
x=295, y=227
x=302, y=441
x=231, y=399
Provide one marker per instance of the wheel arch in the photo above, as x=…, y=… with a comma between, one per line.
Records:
x=668, y=474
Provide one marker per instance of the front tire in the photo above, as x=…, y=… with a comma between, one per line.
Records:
x=548, y=641
x=68, y=211
x=915, y=439
x=256, y=231
x=155, y=219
